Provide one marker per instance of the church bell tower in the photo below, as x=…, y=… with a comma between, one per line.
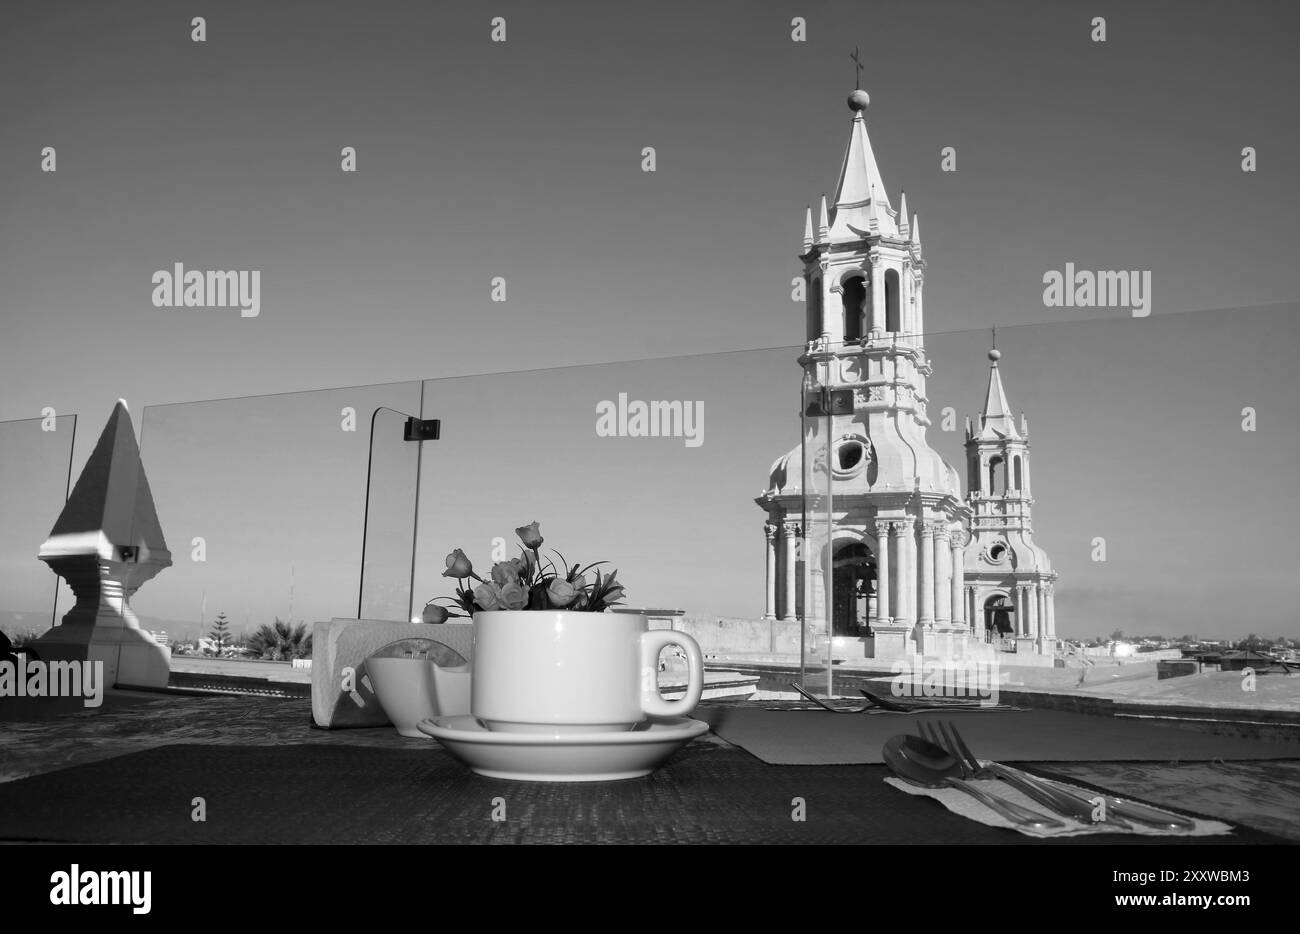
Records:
x=897, y=534
x=1010, y=583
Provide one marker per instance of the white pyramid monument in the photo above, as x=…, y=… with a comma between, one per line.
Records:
x=106, y=543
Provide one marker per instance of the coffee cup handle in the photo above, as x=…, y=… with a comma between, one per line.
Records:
x=652, y=702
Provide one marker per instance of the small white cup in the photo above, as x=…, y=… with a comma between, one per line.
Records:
x=562, y=671
x=415, y=689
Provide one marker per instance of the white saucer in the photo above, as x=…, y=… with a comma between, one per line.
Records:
x=569, y=757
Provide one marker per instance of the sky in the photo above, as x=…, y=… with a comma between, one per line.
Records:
x=523, y=160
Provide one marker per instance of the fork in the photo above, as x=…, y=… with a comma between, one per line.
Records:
x=820, y=703
x=1060, y=801
x=1117, y=811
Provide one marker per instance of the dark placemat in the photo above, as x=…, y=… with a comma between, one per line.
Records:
x=819, y=737
x=343, y=794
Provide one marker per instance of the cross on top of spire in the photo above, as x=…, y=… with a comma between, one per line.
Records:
x=857, y=68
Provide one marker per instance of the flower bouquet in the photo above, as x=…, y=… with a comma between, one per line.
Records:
x=528, y=582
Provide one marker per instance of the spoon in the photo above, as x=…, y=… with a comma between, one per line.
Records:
x=922, y=763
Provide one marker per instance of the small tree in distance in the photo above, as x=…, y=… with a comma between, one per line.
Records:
x=220, y=634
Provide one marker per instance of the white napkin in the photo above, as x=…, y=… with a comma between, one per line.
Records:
x=961, y=803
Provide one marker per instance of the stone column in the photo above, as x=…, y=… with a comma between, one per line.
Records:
x=791, y=530
x=883, y=613
x=1032, y=595
x=876, y=315
x=958, y=580
x=902, y=552
x=943, y=605
x=1022, y=609
x=769, y=534
x=1051, y=611
x=917, y=318
x=1043, y=615
x=925, y=575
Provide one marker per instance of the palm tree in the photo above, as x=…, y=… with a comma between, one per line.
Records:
x=280, y=641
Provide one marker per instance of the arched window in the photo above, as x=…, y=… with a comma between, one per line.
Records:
x=892, y=320
x=997, y=476
x=1016, y=466
x=855, y=292
x=814, y=309
x=974, y=473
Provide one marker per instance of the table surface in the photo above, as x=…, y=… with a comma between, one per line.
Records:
x=1260, y=795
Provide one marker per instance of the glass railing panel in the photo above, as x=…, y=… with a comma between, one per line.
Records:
x=1130, y=480
x=35, y=460
x=680, y=472
x=264, y=502
x=390, y=513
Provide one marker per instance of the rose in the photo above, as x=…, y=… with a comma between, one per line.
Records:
x=561, y=593
x=505, y=572
x=530, y=535
x=487, y=596
x=458, y=566
x=514, y=596
x=435, y=614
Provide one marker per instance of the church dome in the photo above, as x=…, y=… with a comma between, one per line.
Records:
x=786, y=475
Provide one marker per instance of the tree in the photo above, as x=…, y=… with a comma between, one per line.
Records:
x=1117, y=635
x=220, y=634
x=280, y=641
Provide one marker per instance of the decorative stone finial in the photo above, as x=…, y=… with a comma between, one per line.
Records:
x=859, y=100
x=106, y=543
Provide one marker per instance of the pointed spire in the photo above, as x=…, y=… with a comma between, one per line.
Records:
x=807, y=230
x=823, y=224
x=903, y=227
x=997, y=422
x=916, y=229
x=860, y=183
x=111, y=504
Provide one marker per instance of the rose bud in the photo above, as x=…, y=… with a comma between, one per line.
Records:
x=530, y=535
x=458, y=565
x=435, y=614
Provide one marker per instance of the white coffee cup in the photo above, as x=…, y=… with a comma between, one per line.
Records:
x=558, y=671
